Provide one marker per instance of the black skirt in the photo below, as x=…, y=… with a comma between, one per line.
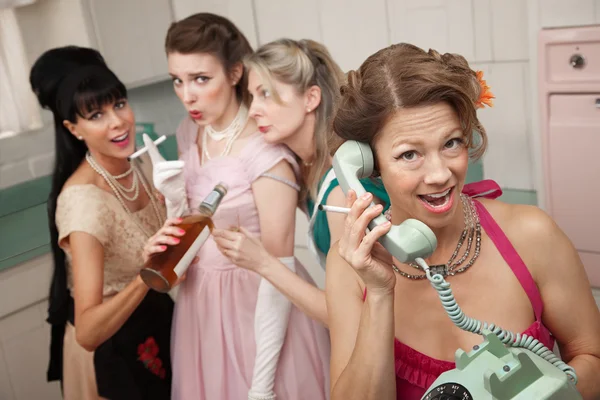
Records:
x=135, y=363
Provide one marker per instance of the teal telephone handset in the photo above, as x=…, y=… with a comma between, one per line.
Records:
x=407, y=241
x=504, y=366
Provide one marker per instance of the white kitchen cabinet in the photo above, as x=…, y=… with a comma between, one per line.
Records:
x=349, y=36
x=240, y=12
x=294, y=19
x=129, y=34
x=569, y=66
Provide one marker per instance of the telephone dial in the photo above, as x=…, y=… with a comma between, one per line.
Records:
x=504, y=366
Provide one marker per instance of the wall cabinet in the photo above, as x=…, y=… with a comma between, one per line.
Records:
x=129, y=34
x=240, y=12
x=569, y=62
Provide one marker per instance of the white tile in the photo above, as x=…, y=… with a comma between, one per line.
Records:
x=240, y=12
x=397, y=14
x=15, y=173
x=27, y=360
x=508, y=158
x=482, y=17
x=557, y=13
x=596, y=293
x=312, y=266
x=428, y=28
x=20, y=322
x=41, y=165
x=25, y=284
x=295, y=19
x=6, y=392
x=27, y=144
x=509, y=30
x=597, y=9
x=356, y=33
x=461, y=35
x=301, y=228
x=415, y=4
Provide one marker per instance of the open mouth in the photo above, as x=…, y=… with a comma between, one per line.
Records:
x=438, y=202
x=121, y=138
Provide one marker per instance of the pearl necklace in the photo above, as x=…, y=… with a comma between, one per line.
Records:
x=234, y=127
x=232, y=132
x=472, y=229
x=123, y=191
x=111, y=180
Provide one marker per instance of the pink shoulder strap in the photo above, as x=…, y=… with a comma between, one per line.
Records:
x=260, y=156
x=490, y=189
x=486, y=188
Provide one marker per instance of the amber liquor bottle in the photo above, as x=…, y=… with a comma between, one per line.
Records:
x=162, y=270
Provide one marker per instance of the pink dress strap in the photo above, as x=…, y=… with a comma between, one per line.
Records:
x=260, y=156
x=490, y=189
x=486, y=188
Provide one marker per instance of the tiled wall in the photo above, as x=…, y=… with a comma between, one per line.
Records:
x=496, y=36
x=30, y=154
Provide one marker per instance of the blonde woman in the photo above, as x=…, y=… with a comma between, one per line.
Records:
x=295, y=87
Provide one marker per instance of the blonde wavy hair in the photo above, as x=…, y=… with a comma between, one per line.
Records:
x=302, y=64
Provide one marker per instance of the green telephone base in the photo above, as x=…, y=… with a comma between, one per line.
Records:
x=492, y=371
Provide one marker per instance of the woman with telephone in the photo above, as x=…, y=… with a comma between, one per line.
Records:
x=510, y=264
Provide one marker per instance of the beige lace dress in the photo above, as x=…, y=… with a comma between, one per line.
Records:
x=90, y=209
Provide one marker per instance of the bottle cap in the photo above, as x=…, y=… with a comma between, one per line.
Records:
x=224, y=186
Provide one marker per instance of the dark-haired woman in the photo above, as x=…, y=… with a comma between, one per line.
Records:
x=234, y=335
x=110, y=335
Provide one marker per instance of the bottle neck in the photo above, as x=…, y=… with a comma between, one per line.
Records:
x=210, y=204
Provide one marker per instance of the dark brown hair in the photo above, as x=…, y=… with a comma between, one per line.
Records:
x=402, y=76
x=216, y=35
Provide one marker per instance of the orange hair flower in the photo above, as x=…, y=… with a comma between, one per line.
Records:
x=486, y=96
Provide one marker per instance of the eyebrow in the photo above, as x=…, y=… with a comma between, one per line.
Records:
x=399, y=142
x=190, y=74
x=417, y=141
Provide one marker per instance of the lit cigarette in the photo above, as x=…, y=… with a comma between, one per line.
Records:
x=145, y=149
x=342, y=210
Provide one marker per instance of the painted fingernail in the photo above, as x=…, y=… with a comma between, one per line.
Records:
x=181, y=231
x=163, y=248
x=176, y=240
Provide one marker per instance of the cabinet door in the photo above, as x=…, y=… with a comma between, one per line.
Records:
x=354, y=34
x=294, y=19
x=240, y=12
x=574, y=167
x=130, y=35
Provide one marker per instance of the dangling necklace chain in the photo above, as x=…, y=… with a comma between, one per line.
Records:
x=472, y=231
x=116, y=187
x=231, y=133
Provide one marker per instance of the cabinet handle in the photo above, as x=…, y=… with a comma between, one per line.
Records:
x=577, y=61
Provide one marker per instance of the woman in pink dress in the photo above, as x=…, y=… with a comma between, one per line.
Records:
x=215, y=352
